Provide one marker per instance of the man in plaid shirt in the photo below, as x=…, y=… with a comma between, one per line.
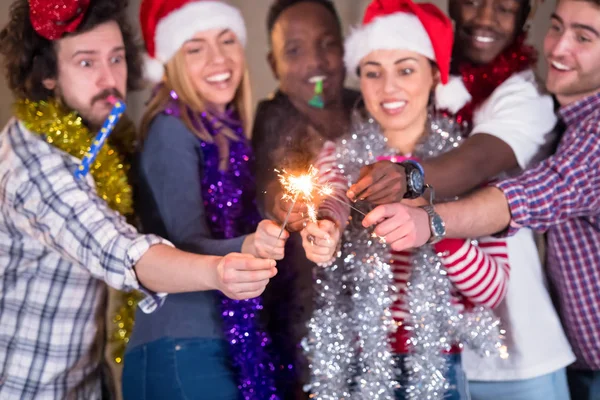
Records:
x=58, y=239
x=561, y=195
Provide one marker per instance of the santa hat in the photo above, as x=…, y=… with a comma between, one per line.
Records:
x=168, y=24
x=422, y=28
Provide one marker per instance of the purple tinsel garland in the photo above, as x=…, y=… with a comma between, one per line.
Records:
x=229, y=200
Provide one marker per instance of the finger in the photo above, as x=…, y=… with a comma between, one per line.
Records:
x=248, y=287
x=252, y=276
x=251, y=264
x=322, y=250
x=249, y=295
x=318, y=259
x=398, y=234
x=314, y=230
x=328, y=226
x=388, y=187
x=402, y=244
x=272, y=230
x=296, y=226
x=380, y=213
x=364, y=171
x=379, y=171
x=276, y=253
x=271, y=242
x=356, y=190
x=389, y=225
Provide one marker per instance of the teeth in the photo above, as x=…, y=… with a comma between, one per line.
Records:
x=393, y=105
x=484, y=39
x=317, y=78
x=219, y=77
x=560, y=67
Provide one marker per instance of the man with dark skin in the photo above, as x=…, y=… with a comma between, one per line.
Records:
x=305, y=47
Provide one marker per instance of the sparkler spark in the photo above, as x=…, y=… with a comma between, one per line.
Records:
x=303, y=188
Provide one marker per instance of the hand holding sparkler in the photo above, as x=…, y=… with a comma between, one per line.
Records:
x=265, y=243
x=299, y=188
x=321, y=241
x=304, y=188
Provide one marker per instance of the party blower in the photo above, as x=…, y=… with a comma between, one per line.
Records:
x=317, y=99
x=117, y=111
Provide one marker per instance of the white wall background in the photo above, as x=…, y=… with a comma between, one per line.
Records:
x=255, y=12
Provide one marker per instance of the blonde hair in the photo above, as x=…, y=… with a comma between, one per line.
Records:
x=176, y=78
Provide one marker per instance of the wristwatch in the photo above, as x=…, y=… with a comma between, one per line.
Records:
x=436, y=225
x=415, y=179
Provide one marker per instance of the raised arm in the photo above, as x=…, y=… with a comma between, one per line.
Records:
x=510, y=130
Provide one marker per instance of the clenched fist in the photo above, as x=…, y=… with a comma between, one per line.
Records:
x=242, y=276
x=320, y=241
x=265, y=242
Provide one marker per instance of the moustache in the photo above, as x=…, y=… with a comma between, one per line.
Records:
x=103, y=95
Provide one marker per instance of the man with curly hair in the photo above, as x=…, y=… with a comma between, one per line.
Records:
x=63, y=237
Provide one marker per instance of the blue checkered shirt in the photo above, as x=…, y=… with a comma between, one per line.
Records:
x=562, y=196
x=58, y=242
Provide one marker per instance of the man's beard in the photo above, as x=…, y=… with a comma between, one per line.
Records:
x=87, y=119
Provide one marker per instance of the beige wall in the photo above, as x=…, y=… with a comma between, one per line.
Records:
x=255, y=13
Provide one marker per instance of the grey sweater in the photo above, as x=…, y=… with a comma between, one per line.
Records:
x=169, y=203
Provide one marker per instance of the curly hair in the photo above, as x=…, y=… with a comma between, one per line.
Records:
x=29, y=58
x=279, y=6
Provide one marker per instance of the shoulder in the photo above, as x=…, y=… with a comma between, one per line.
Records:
x=276, y=105
x=524, y=83
x=167, y=131
x=26, y=158
x=520, y=97
x=23, y=151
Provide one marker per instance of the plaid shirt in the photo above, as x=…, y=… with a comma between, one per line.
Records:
x=562, y=196
x=58, y=241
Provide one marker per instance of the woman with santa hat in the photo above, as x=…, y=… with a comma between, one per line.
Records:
x=430, y=301
x=195, y=179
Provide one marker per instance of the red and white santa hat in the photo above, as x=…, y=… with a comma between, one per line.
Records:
x=168, y=24
x=422, y=28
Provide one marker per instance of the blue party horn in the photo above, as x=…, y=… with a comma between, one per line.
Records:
x=118, y=109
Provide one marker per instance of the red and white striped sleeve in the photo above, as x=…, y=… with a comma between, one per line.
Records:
x=331, y=175
x=479, y=272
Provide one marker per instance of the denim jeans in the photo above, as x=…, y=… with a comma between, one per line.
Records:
x=552, y=386
x=179, y=369
x=584, y=385
x=455, y=375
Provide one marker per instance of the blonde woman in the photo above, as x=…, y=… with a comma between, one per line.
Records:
x=197, y=190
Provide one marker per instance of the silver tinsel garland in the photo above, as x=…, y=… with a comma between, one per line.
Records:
x=330, y=345
x=348, y=344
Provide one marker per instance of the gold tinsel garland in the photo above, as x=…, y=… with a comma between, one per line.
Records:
x=66, y=131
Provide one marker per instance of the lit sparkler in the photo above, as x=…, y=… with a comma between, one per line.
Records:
x=303, y=188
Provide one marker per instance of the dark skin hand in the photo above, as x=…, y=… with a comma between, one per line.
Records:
x=451, y=174
x=481, y=156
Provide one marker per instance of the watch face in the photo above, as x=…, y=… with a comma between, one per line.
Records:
x=437, y=226
x=416, y=181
